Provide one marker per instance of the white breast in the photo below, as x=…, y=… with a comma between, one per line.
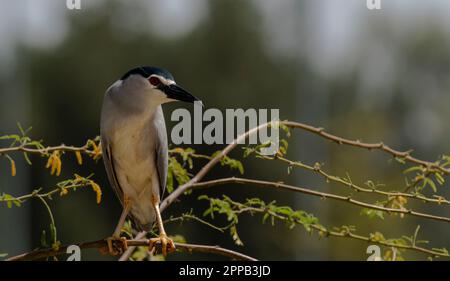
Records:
x=133, y=151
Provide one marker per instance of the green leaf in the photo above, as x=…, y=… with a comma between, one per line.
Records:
x=372, y=213
x=248, y=151
x=431, y=183
x=400, y=160
x=439, y=178
x=232, y=163
x=412, y=169
x=10, y=200
x=27, y=158
x=44, y=243
x=178, y=172
x=9, y=137
x=235, y=236
x=377, y=237
x=286, y=129
x=265, y=217
x=169, y=184
x=441, y=250
x=178, y=238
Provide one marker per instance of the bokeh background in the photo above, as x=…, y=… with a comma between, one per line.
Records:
x=368, y=74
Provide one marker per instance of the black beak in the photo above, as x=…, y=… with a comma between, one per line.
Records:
x=175, y=92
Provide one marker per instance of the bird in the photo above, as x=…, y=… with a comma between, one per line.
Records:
x=135, y=147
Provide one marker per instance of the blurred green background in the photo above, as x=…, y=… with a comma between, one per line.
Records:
x=368, y=74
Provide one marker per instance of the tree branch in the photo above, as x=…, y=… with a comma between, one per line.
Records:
x=347, y=199
x=351, y=235
x=183, y=247
x=383, y=243
x=405, y=155
x=317, y=169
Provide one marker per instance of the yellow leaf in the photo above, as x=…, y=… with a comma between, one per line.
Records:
x=97, y=190
x=78, y=179
x=49, y=162
x=58, y=166
x=402, y=200
x=13, y=167
x=63, y=192
x=54, y=163
x=79, y=158
x=96, y=149
x=53, y=169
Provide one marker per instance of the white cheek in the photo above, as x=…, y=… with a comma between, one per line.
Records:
x=159, y=96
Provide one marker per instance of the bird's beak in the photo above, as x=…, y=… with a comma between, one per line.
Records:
x=175, y=92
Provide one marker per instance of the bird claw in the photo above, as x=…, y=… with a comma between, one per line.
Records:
x=113, y=248
x=166, y=243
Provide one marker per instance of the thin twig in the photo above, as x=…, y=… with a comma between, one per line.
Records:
x=37, y=193
x=45, y=151
x=215, y=250
x=187, y=217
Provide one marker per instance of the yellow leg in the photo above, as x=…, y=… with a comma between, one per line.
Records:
x=116, y=234
x=166, y=243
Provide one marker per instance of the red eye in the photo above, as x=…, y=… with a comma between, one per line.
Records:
x=154, y=81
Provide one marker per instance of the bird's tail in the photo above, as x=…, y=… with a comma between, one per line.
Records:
x=139, y=226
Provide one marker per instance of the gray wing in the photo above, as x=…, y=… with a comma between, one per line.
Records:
x=161, y=152
x=110, y=171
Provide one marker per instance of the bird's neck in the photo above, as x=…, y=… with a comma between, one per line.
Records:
x=153, y=111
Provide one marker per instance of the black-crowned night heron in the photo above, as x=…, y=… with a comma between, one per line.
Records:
x=134, y=143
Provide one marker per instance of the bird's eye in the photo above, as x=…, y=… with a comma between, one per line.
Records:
x=154, y=81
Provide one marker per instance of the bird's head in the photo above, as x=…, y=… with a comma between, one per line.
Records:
x=151, y=84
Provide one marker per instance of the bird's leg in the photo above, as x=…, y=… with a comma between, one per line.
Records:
x=166, y=243
x=116, y=234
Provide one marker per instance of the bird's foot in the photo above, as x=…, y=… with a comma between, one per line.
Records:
x=116, y=245
x=164, y=241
